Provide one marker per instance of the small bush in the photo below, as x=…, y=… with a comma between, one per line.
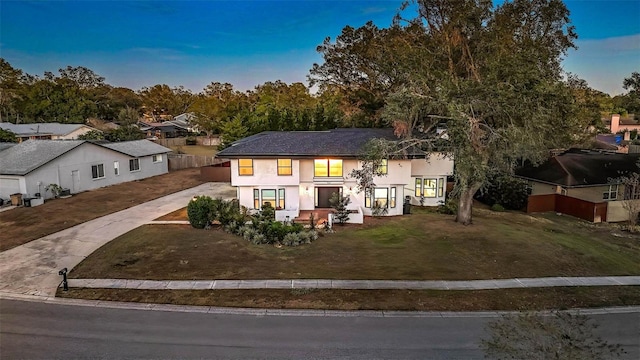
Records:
x=199, y=211
x=291, y=239
x=497, y=208
x=259, y=239
x=191, y=141
x=340, y=203
x=448, y=207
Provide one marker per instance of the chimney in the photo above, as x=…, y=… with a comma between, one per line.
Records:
x=627, y=135
x=615, y=123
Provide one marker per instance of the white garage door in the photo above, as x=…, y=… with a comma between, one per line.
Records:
x=8, y=187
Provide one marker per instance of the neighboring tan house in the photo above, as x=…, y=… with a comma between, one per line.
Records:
x=47, y=131
x=300, y=170
x=78, y=165
x=617, y=124
x=582, y=183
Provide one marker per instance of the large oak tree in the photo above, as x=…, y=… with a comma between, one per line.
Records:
x=492, y=74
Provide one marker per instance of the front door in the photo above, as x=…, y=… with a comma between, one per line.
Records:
x=323, y=194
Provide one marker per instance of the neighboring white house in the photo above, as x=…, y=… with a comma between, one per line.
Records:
x=300, y=170
x=78, y=165
x=47, y=131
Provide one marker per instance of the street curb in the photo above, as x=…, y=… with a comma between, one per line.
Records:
x=296, y=312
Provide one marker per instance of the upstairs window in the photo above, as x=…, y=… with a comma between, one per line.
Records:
x=284, y=167
x=245, y=167
x=327, y=167
x=383, y=168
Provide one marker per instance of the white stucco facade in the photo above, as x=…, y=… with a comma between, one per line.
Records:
x=303, y=190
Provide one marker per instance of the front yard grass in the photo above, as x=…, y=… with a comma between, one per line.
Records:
x=421, y=246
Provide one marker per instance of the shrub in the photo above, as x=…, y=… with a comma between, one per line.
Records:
x=497, y=207
x=199, y=211
x=291, y=239
x=448, y=207
x=259, y=239
x=340, y=203
x=190, y=141
x=510, y=192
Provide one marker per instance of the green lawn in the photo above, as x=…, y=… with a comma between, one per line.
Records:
x=195, y=150
x=421, y=246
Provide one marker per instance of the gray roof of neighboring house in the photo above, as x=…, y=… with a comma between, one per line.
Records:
x=29, y=155
x=336, y=142
x=42, y=128
x=577, y=168
x=5, y=145
x=137, y=148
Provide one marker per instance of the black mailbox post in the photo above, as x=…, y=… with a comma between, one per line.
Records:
x=65, y=285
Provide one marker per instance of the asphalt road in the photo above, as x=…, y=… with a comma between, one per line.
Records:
x=48, y=331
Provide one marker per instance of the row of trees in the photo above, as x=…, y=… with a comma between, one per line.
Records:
x=492, y=73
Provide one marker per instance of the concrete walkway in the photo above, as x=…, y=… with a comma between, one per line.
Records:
x=354, y=284
x=32, y=268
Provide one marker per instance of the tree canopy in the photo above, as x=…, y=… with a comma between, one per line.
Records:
x=493, y=75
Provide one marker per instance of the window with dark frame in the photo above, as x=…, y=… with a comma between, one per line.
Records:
x=97, y=171
x=134, y=164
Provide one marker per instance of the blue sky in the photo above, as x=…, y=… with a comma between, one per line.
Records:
x=192, y=43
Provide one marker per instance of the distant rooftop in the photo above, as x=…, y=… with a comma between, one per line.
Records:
x=576, y=168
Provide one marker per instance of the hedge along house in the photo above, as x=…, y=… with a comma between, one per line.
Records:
x=78, y=165
x=583, y=183
x=300, y=170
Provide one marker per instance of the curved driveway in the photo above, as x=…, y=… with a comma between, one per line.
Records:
x=32, y=268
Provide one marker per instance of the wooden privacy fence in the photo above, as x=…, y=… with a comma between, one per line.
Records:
x=586, y=210
x=185, y=161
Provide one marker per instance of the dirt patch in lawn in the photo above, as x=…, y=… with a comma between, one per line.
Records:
x=24, y=224
x=409, y=300
x=418, y=247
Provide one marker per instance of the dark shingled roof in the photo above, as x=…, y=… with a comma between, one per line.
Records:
x=301, y=144
x=576, y=168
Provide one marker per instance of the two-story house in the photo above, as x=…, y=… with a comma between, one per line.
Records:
x=300, y=170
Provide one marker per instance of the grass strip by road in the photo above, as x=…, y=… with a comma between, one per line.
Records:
x=407, y=300
x=24, y=224
x=422, y=246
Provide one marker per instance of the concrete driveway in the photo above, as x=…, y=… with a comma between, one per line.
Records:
x=32, y=268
